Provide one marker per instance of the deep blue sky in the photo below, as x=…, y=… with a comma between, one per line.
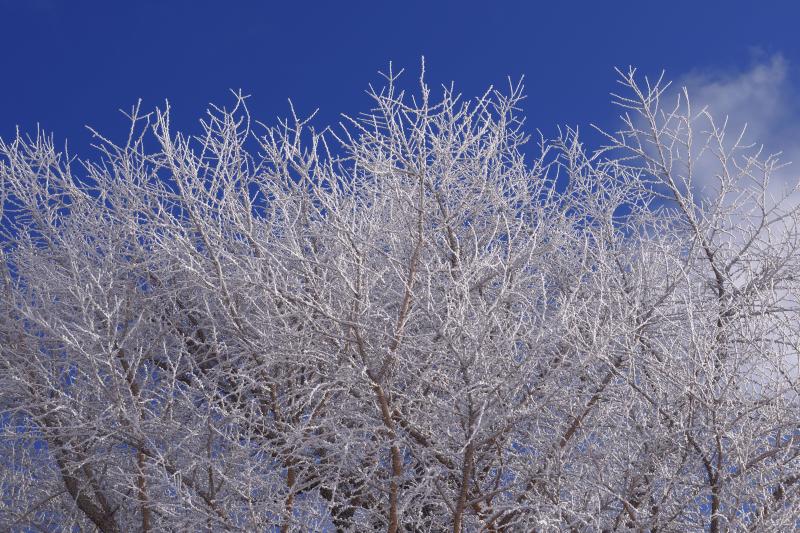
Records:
x=68, y=63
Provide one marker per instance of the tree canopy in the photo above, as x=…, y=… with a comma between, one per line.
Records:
x=407, y=323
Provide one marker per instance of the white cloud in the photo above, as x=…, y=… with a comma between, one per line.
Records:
x=763, y=99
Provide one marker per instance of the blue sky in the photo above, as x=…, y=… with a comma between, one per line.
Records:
x=69, y=63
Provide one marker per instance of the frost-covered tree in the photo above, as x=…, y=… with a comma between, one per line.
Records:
x=406, y=324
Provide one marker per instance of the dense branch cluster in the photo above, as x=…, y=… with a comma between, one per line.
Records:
x=407, y=325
